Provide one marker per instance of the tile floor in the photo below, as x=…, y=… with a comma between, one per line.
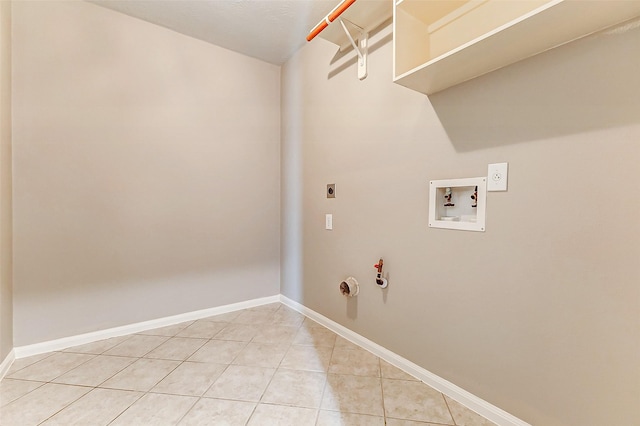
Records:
x=267, y=365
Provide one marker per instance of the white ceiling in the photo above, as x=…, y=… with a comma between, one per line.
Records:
x=270, y=30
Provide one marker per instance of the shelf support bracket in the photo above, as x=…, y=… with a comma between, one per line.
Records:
x=361, y=48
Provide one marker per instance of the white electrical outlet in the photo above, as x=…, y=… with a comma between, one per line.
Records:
x=328, y=221
x=497, y=177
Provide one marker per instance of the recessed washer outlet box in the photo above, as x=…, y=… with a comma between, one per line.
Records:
x=458, y=204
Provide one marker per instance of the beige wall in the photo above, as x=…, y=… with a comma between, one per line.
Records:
x=6, y=257
x=539, y=315
x=146, y=172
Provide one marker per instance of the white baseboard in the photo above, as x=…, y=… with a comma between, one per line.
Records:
x=480, y=406
x=5, y=365
x=81, y=339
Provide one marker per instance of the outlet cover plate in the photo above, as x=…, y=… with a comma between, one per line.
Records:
x=497, y=177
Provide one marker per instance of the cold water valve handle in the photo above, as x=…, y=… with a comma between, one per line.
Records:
x=380, y=281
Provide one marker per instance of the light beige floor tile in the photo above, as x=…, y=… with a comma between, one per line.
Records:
x=294, y=387
x=400, y=422
x=226, y=317
x=354, y=361
x=464, y=416
x=190, y=378
x=97, y=347
x=336, y=418
x=343, y=343
x=176, y=348
x=137, y=346
x=353, y=394
x=21, y=363
x=95, y=371
x=271, y=307
x=40, y=404
x=168, y=331
x=311, y=358
x=414, y=401
x=389, y=371
x=287, y=309
x=283, y=367
x=287, y=316
x=98, y=407
x=218, y=351
x=254, y=317
x=11, y=389
x=280, y=415
x=315, y=336
x=156, y=409
x=309, y=323
x=261, y=355
x=275, y=334
x=238, y=332
x=241, y=383
x=51, y=367
x=218, y=412
x=142, y=375
x=202, y=329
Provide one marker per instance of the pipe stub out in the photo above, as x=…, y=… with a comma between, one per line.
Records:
x=382, y=282
x=349, y=287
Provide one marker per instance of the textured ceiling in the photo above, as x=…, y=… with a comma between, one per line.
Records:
x=270, y=30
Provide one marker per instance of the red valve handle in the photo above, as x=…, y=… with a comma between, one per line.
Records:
x=376, y=266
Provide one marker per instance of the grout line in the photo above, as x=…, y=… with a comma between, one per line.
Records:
x=29, y=365
x=144, y=393
x=448, y=408
x=114, y=374
x=189, y=410
x=70, y=349
x=252, y=413
x=214, y=382
x=93, y=356
x=129, y=406
x=384, y=410
x=326, y=381
x=22, y=396
x=222, y=398
x=67, y=405
x=420, y=422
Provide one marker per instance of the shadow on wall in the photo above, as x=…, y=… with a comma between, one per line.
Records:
x=352, y=307
x=586, y=85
